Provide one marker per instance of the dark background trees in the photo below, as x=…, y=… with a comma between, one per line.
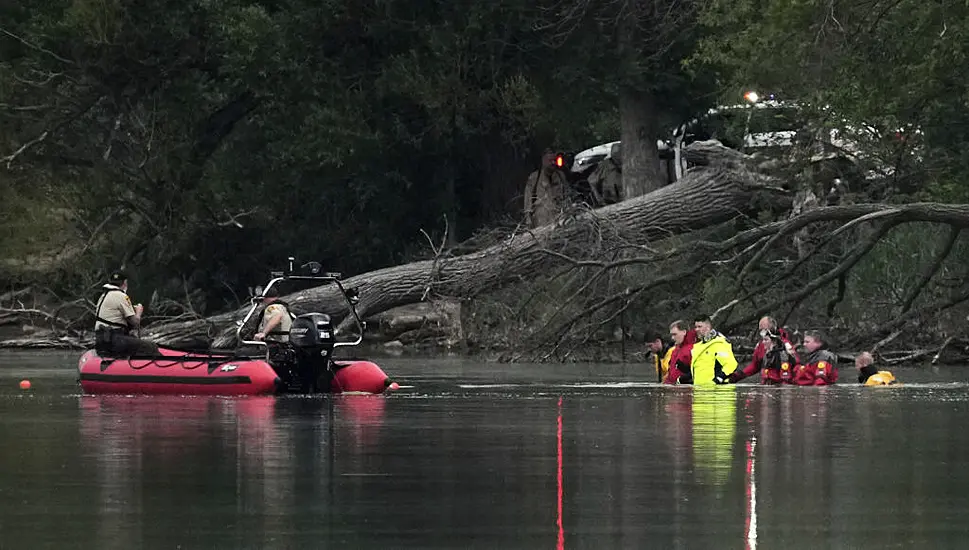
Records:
x=199, y=144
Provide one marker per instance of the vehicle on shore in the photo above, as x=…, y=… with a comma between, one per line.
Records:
x=771, y=127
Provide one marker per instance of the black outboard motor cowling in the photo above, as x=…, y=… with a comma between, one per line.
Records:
x=311, y=337
x=311, y=330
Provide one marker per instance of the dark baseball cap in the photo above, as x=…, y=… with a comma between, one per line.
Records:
x=117, y=277
x=271, y=292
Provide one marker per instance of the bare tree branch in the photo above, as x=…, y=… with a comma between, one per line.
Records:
x=33, y=46
x=438, y=254
x=13, y=156
x=931, y=269
x=233, y=219
x=840, y=296
x=48, y=77
x=857, y=253
x=24, y=108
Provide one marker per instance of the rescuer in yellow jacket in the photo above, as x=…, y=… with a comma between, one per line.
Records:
x=712, y=359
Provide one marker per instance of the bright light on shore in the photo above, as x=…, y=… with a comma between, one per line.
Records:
x=751, y=96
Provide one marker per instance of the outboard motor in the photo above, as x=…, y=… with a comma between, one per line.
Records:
x=311, y=337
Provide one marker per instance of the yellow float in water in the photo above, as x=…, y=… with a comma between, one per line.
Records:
x=869, y=375
x=881, y=378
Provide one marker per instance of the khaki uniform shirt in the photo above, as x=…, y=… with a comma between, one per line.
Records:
x=114, y=306
x=271, y=311
x=546, y=194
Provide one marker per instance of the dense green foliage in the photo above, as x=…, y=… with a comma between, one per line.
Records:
x=343, y=129
x=199, y=143
x=888, y=64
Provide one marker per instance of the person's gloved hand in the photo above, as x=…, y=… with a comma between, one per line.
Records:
x=735, y=376
x=686, y=377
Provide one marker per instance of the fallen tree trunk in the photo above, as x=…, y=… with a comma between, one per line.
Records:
x=723, y=187
x=46, y=342
x=574, y=260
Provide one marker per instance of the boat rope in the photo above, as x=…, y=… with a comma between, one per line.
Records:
x=185, y=360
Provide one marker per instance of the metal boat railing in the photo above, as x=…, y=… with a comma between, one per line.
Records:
x=316, y=275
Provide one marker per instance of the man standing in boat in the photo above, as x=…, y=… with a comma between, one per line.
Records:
x=115, y=319
x=275, y=320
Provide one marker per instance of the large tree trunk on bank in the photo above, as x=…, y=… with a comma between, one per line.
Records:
x=710, y=195
x=640, y=156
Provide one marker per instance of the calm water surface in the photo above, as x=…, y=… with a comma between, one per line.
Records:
x=471, y=455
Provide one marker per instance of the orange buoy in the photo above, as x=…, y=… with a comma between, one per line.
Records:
x=25, y=384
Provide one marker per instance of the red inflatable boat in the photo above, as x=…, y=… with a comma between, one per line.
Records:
x=302, y=365
x=187, y=373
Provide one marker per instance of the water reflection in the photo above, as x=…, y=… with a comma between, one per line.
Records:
x=560, y=541
x=531, y=465
x=750, y=494
x=249, y=461
x=716, y=438
x=714, y=430
x=790, y=427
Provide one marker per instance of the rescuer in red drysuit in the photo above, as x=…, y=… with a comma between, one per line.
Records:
x=819, y=367
x=681, y=358
x=774, y=356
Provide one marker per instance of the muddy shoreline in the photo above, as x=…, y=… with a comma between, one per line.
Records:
x=436, y=329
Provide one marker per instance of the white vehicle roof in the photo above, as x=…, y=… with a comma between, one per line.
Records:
x=766, y=139
x=601, y=152
x=782, y=138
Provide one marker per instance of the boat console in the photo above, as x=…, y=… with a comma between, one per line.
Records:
x=305, y=362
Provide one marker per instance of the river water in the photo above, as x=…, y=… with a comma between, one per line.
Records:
x=472, y=455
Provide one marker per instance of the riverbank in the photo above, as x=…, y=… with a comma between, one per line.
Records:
x=609, y=353
x=431, y=329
